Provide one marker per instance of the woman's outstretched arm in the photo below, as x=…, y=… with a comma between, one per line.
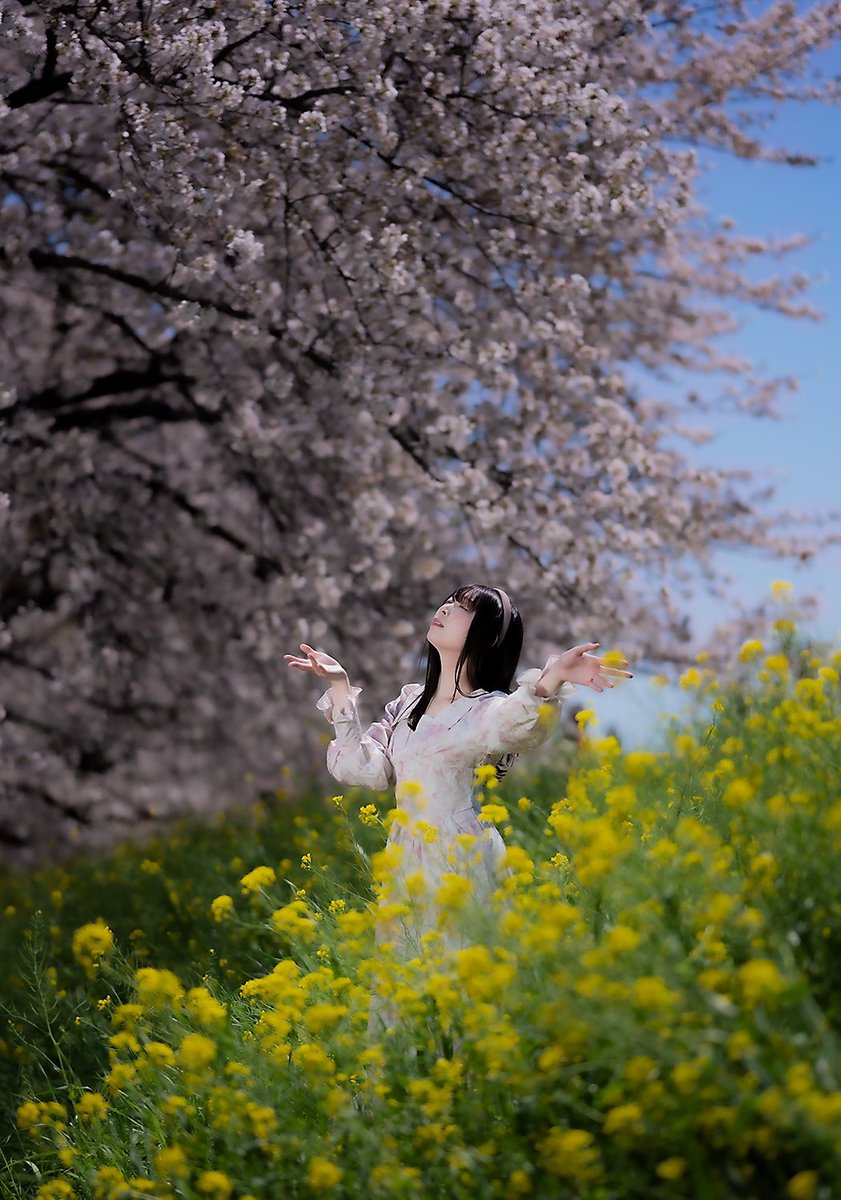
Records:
x=524, y=719
x=354, y=757
x=520, y=721
x=358, y=757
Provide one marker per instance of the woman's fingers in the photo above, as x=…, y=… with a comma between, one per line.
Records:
x=327, y=669
x=303, y=664
x=615, y=667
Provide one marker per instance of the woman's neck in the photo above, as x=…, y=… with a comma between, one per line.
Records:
x=446, y=690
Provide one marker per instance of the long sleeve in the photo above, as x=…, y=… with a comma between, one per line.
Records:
x=511, y=723
x=361, y=758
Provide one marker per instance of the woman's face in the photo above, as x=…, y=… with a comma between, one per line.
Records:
x=455, y=618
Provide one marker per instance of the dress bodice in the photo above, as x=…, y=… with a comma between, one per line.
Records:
x=442, y=753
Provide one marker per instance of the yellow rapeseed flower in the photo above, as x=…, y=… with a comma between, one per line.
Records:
x=760, y=979
x=802, y=1186
x=685, y=1075
x=55, y=1189
x=90, y=943
x=639, y=1069
x=263, y=1119
x=621, y=800
x=322, y=1175
x=126, y=1014
x=157, y=988
x=385, y=862
x=738, y=793
x=279, y=986
x=739, y=1044
x=684, y=743
x=552, y=927
x=484, y=774
x=519, y=1184
x=671, y=1168
x=413, y=790
x=663, y=850
x=750, y=650
x=807, y=691
x=453, y=892
x=624, y=1118
x=570, y=1153
x=621, y=938
x=649, y=991
x=426, y=830
x=294, y=920
x=91, y=1107
x=638, y=763
x=159, y=1054
x=518, y=860
x=45, y=1112
x=493, y=812
x=171, y=1161
x=221, y=907
x=312, y=1060
x=354, y=923
x=320, y=1017
x=125, y=1040
x=261, y=877
x=780, y=587
x=204, y=1007
x=106, y=1179
x=551, y=1058
x=120, y=1076
x=778, y=663
x=196, y=1052
x=140, y=1184
x=215, y=1184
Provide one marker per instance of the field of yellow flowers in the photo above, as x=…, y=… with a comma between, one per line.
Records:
x=648, y=1009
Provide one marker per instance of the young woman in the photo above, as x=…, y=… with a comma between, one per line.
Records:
x=435, y=733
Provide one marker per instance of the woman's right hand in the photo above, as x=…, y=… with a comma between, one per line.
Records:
x=318, y=663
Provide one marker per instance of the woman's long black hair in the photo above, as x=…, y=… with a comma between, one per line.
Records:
x=490, y=666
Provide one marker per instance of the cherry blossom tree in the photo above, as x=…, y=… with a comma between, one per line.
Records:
x=312, y=311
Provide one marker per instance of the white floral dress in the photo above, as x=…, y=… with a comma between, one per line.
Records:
x=440, y=756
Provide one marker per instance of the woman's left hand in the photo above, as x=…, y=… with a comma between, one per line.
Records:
x=579, y=666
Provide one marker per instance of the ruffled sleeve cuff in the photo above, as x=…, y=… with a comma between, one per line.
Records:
x=527, y=680
x=346, y=711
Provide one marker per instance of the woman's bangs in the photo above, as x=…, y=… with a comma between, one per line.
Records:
x=468, y=595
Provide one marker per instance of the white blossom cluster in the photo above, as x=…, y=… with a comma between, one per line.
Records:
x=312, y=311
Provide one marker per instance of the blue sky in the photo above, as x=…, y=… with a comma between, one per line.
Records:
x=801, y=453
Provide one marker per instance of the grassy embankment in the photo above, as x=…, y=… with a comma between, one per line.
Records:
x=652, y=1011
